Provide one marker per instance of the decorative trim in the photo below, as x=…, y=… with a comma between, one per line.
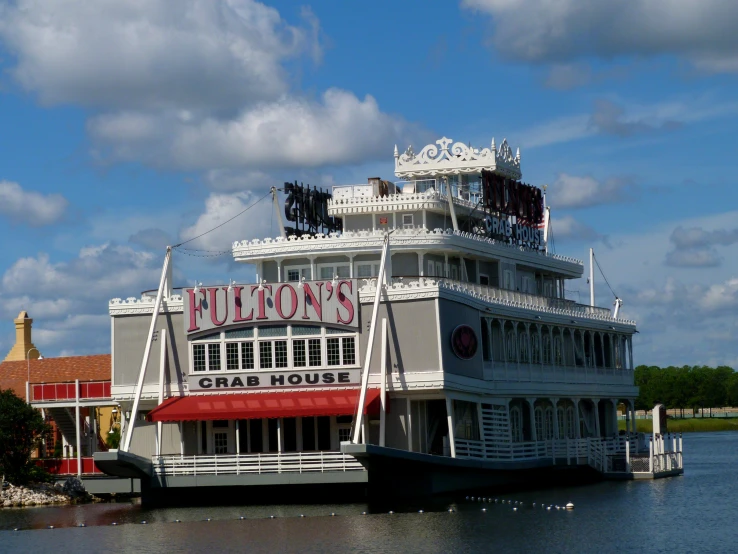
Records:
x=426, y=288
x=145, y=305
x=460, y=158
x=361, y=241
x=414, y=201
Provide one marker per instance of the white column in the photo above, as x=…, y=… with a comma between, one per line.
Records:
x=409, y=425
x=76, y=427
x=450, y=419
x=596, y=402
x=181, y=440
x=279, y=270
x=313, y=275
x=383, y=386
x=421, y=263
x=238, y=438
x=532, y=410
x=280, y=438
x=351, y=267
x=162, y=366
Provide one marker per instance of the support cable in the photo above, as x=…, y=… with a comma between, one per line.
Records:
x=603, y=276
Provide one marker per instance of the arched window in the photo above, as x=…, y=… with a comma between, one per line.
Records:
x=535, y=347
x=510, y=346
x=540, y=424
x=516, y=424
x=546, y=347
x=549, y=423
x=523, y=342
x=570, y=423
x=558, y=351
x=561, y=416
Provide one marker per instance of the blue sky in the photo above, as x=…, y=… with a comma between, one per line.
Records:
x=131, y=125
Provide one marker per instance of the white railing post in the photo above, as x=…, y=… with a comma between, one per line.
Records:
x=650, y=455
x=627, y=456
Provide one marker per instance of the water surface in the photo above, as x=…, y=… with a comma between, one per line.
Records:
x=692, y=513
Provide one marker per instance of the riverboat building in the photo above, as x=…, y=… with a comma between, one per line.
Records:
x=409, y=336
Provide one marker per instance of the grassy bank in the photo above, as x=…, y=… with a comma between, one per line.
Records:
x=689, y=425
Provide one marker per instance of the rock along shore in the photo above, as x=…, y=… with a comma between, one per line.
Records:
x=35, y=495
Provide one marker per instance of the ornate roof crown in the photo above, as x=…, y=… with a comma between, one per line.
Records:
x=439, y=159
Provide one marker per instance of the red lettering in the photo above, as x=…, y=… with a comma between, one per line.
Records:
x=261, y=299
x=237, y=316
x=313, y=301
x=214, y=306
x=346, y=303
x=195, y=308
x=278, y=301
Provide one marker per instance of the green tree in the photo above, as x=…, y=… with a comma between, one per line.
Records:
x=21, y=430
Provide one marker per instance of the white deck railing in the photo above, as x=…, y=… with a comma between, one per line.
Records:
x=237, y=464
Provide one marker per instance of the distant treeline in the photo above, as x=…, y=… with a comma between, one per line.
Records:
x=686, y=387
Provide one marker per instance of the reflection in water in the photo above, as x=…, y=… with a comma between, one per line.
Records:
x=690, y=513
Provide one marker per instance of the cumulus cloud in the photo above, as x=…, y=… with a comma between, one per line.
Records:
x=695, y=246
x=693, y=258
x=694, y=237
x=69, y=299
x=339, y=128
x=219, y=208
x=151, y=239
x=610, y=118
x=572, y=191
x=541, y=31
x=158, y=54
x=32, y=208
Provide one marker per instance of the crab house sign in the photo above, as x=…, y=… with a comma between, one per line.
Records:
x=321, y=302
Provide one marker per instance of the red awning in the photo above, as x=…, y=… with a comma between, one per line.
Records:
x=266, y=405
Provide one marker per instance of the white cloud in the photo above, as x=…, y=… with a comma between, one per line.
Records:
x=541, y=31
x=693, y=258
x=570, y=228
x=32, y=208
x=68, y=300
x=572, y=191
x=338, y=129
x=190, y=54
x=694, y=237
x=219, y=208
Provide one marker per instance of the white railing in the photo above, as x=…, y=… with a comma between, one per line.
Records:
x=237, y=464
x=495, y=295
x=417, y=237
x=598, y=452
x=525, y=372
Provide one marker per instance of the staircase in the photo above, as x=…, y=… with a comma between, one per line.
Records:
x=64, y=419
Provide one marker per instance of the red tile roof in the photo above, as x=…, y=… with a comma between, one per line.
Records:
x=13, y=375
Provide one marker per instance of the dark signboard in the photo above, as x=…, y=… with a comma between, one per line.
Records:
x=308, y=209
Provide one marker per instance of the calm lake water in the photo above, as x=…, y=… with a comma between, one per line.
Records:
x=693, y=513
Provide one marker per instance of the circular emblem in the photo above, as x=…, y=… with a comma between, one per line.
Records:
x=464, y=342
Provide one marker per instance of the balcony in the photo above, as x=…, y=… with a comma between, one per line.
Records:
x=402, y=240
x=494, y=295
x=259, y=464
x=56, y=392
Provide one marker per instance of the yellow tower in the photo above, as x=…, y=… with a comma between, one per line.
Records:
x=23, y=343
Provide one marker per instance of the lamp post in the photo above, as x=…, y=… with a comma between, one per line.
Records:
x=28, y=364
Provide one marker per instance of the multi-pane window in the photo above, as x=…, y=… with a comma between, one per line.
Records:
x=327, y=272
x=274, y=347
x=314, y=352
x=198, y=357
x=297, y=273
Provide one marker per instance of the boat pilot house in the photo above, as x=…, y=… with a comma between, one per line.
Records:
x=409, y=336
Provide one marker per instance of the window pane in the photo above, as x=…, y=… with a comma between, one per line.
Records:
x=314, y=352
x=329, y=331
x=240, y=333
x=293, y=274
x=364, y=270
x=247, y=355
x=349, y=351
x=334, y=352
x=231, y=355
x=343, y=271
x=298, y=353
x=305, y=330
x=272, y=331
x=326, y=272
x=214, y=357
x=265, y=355
x=280, y=353
x=198, y=357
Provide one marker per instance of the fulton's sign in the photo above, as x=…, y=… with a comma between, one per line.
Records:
x=323, y=302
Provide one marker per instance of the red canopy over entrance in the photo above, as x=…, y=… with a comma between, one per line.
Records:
x=266, y=405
